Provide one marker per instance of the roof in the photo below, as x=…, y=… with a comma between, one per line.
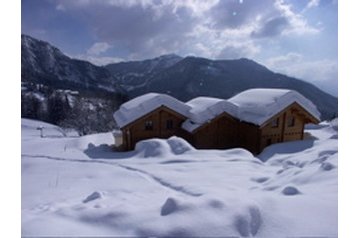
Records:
x=260, y=104
x=142, y=105
x=205, y=109
x=254, y=106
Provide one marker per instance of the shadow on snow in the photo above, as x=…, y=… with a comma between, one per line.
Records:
x=104, y=151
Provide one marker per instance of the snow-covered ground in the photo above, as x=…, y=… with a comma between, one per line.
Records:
x=76, y=186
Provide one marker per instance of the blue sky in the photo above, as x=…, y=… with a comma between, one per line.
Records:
x=294, y=37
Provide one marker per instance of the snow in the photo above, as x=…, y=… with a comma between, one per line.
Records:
x=107, y=88
x=48, y=130
x=200, y=104
x=260, y=104
x=67, y=91
x=71, y=100
x=38, y=96
x=204, y=109
x=158, y=148
x=95, y=195
x=140, y=106
x=166, y=188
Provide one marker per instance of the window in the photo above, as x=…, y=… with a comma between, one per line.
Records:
x=291, y=121
x=170, y=125
x=275, y=122
x=148, y=125
x=268, y=142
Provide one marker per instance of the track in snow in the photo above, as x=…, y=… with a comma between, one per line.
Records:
x=146, y=175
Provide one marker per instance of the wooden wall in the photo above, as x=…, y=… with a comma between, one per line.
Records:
x=284, y=131
x=136, y=131
x=227, y=132
x=220, y=133
x=249, y=137
x=223, y=132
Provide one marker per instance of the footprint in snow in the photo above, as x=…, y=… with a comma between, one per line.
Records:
x=250, y=224
x=290, y=191
x=95, y=195
x=170, y=206
x=260, y=180
x=217, y=204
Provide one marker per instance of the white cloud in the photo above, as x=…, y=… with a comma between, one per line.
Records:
x=93, y=55
x=198, y=7
x=60, y=7
x=98, y=48
x=148, y=28
x=312, y=3
x=98, y=60
x=323, y=73
x=298, y=24
x=221, y=44
x=284, y=60
x=295, y=64
x=246, y=50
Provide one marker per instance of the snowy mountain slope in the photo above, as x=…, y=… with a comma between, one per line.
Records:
x=136, y=74
x=47, y=75
x=45, y=64
x=79, y=187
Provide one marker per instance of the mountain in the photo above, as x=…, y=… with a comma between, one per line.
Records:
x=189, y=77
x=136, y=74
x=67, y=92
x=42, y=63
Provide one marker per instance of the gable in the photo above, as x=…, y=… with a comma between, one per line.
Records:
x=216, y=119
x=153, y=112
x=298, y=109
x=257, y=106
x=140, y=106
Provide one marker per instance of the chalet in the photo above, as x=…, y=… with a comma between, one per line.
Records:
x=252, y=119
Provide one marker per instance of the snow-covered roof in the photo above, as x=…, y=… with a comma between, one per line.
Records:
x=204, y=109
x=254, y=106
x=140, y=106
x=260, y=104
x=200, y=104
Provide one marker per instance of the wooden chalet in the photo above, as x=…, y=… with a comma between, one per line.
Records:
x=253, y=119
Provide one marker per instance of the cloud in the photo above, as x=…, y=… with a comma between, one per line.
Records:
x=238, y=51
x=323, y=73
x=284, y=60
x=235, y=14
x=142, y=28
x=98, y=48
x=98, y=60
x=295, y=64
x=272, y=27
x=312, y=3
x=94, y=54
x=271, y=18
x=212, y=28
x=60, y=7
x=299, y=24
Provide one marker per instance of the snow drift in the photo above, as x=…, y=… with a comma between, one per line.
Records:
x=177, y=190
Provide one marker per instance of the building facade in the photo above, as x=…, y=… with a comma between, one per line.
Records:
x=206, y=123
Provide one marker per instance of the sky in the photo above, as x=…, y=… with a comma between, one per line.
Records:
x=296, y=37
